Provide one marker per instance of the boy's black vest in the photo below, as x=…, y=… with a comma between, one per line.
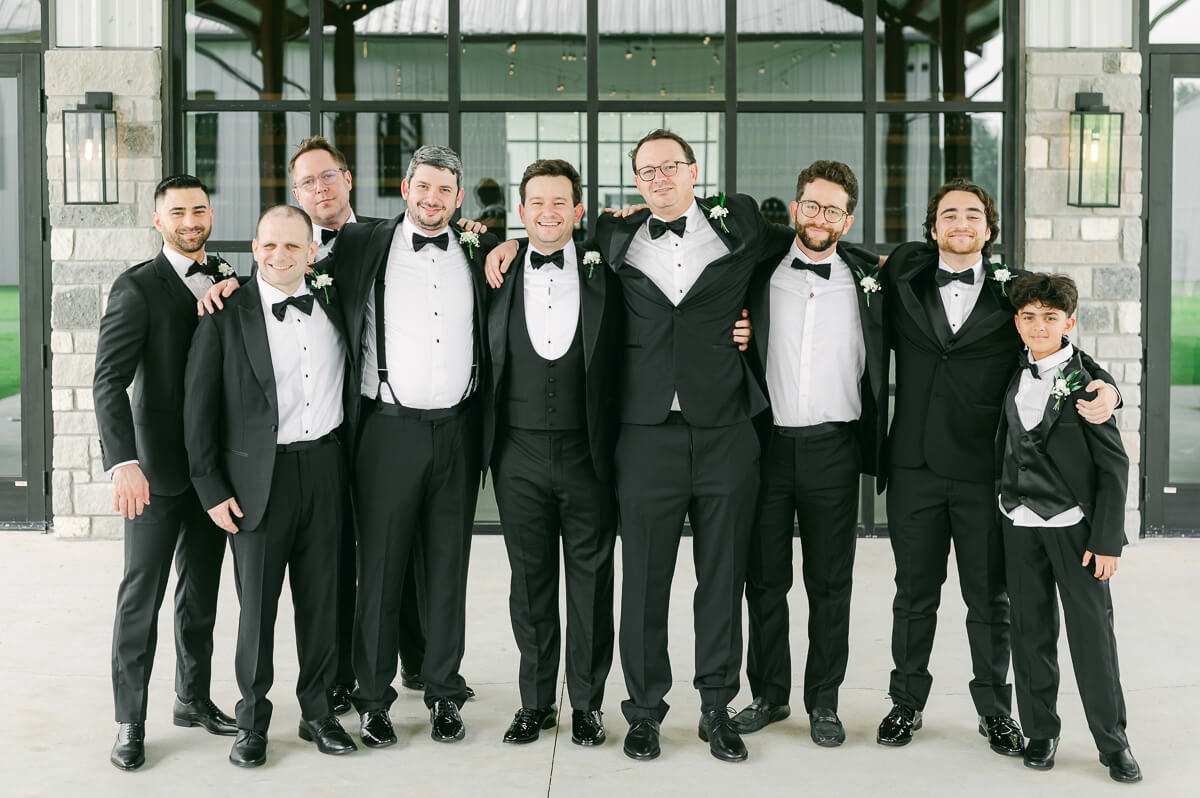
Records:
x=1028, y=476
x=542, y=394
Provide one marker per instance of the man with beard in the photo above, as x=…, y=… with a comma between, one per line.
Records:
x=820, y=343
x=144, y=339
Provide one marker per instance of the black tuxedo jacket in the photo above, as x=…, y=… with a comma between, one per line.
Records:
x=1090, y=457
x=872, y=428
x=144, y=339
x=689, y=348
x=360, y=252
x=600, y=319
x=949, y=386
x=231, y=408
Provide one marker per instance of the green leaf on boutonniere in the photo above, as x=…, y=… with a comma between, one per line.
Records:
x=592, y=259
x=718, y=212
x=868, y=283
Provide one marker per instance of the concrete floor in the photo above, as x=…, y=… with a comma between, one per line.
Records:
x=56, y=605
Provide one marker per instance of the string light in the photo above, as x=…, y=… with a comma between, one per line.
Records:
x=512, y=47
x=628, y=54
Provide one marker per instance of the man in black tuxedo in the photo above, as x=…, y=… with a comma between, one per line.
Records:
x=144, y=338
x=321, y=183
x=820, y=345
x=549, y=427
x=271, y=472
x=950, y=323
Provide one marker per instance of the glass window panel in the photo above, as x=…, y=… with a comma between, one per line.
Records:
x=1184, y=458
x=941, y=51
x=532, y=59
x=11, y=463
x=806, y=50
x=774, y=148
x=705, y=132
x=916, y=153
x=242, y=51
x=662, y=50
x=1175, y=21
x=248, y=178
x=21, y=22
x=388, y=51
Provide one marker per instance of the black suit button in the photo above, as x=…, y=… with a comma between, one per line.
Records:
x=945, y=357
x=550, y=365
x=551, y=410
x=551, y=394
x=677, y=311
x=274, y=428
x=1024, y=468
x=549, y=379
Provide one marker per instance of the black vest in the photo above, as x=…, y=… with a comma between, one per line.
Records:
x=542, y=394
x=1028, y=476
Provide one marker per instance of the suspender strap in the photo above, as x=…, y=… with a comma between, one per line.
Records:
x=380, y=351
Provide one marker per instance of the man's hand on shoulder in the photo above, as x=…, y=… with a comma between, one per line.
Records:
x=1100, y=409
x=626, y=212
x=472, y=226
x=498, y=262
x=131, y=490
x=212, y=301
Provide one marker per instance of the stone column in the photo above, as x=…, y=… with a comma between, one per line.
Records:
x=1099, y=247
x=89, y=246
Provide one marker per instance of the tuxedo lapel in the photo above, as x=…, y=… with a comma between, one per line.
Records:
x=760, y=314
x=591, y=308
x=254, y=338
x=992, y=310
x=327, y=298
x=731, y=239
x=933, y=310
x=725, y=226
x=870, y=315
x=498, y=313
x=623, y=231
x=175, y=287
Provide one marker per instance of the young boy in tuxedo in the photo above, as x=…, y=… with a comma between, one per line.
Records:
x=1062, y=502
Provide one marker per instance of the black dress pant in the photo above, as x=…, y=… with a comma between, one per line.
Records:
x=546, y=487
x=300, y=532
x=925, y=513
x=810, y=474
x=415, y=479
x=665, y=472
x=169, y=526
x=1039, y=561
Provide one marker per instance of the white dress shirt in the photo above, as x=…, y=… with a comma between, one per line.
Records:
x=552, y=303
x=1031, y=398
x=815, y=353
x=198, y=283
x=309, y=358
x=959, y=298
x=430, y=321
x=323, y=248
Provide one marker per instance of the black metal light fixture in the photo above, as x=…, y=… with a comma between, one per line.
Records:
x=90, y=151
x=1094, y=155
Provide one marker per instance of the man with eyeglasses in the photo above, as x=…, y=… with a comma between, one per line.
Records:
x=819, y=342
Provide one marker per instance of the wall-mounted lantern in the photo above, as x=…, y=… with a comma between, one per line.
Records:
x=1094, y=155
x=90, y=151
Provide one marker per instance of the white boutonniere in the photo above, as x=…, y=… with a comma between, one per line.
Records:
x=1064, y=386
x=321, y=280
x=224, y=268
x=469, y=240
x=592, y=259
x=869, y=283
x=718, y=212
x=1002, y=275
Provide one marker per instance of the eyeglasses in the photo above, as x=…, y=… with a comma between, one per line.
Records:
x=833, y=214
x=309, y=184
x=668, y=169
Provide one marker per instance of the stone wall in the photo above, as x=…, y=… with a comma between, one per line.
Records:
x=89, y=246
x=1099, y=247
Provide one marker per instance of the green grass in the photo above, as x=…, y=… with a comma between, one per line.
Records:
x=1185, y=339
x=10, y=341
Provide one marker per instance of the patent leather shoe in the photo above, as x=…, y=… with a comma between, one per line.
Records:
x=1003, y=734
x=897, y=726
x=724, y=742
x=527, y=724
x=759, y=714
x=1039, y=752
x=641, y=741
x=203, y=712
x=411, y=679
x=249, y=749
x=447, y=724
x=375, y=729
x=587, y=727
x=825, y=727
x=1122, y=766
x=129, y=751
x=328, y=734
x=339, y=699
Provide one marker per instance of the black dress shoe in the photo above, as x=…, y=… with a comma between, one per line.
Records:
x=1039, y=752
x=470, y=692
x=376, y=729
x=446, y=722
x=528, y=723
x=1003, y=734
x=1122, y=766
x=641, y=741
x=249, y=749
x=587, y=727
x=328, y=734
x=825, y=727
x=411, y=679
x=129, y=751
x=716, y=729
x=339, y=699
x=760, y=713
x=898, y=726
x=203, y=712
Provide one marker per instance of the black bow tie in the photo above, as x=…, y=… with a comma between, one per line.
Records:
x=209, y=268
x=1026, y=363
x=438, y=241
x=944, y=278
x=302, y=303
x=538, y=260
x=658, y=227
x=327, y=235
x=819, y=269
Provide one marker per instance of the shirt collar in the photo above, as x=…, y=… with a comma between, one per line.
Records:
x=568, y=251
x=796, y=252
x=179, y=261
x=1052, y=362
x=270, y=294
x=407, y=228
x=692, y=214
x=977, y=269
x=318, y=228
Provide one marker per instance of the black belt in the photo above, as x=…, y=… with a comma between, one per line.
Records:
x=435, y=414
x=300, y=446
x=814, y=431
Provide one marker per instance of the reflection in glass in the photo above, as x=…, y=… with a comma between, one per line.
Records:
x=936, y=51
x=918, y=152
x=250, y=178
x=386, y=51
x=10, y=286
x=533, y=56
x=1184, y=465
x=1175, y=21
x=617, y=134
x=662, y=50
x=806, y=50
x=21, y=22
x=247, y=51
